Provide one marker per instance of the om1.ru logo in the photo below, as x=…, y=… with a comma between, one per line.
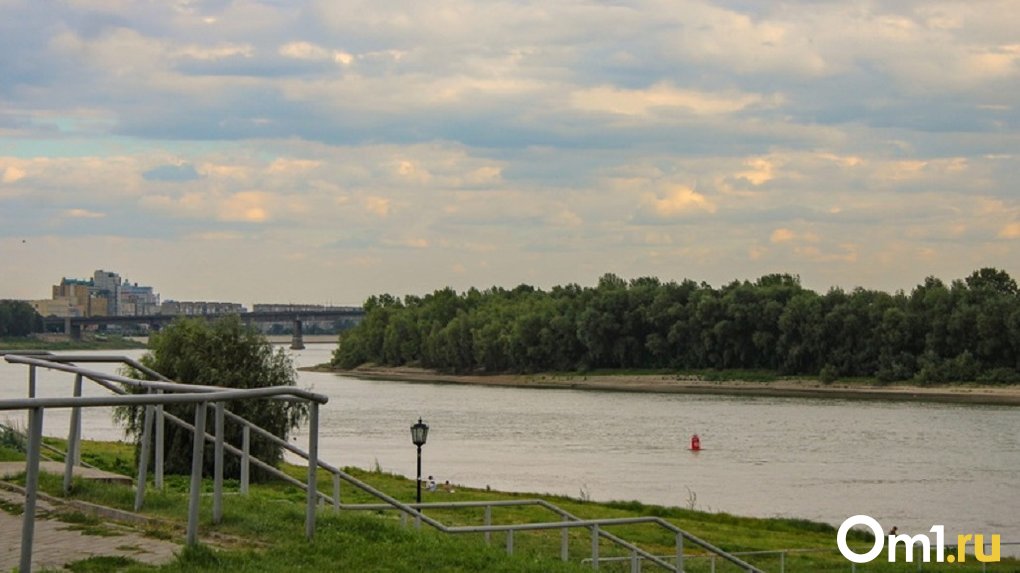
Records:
x=909, y=543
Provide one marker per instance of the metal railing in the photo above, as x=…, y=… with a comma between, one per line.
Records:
x=785, y=556
x=164, y=391
x=201, y=397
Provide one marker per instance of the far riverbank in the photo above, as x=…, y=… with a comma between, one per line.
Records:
x=56, y=342
x=1008, y=395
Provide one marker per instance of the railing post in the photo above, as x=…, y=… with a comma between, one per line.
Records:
x=635, y=563
x=713, y=563
x=782, y=562
x=509, y=541
x=245, y=458
x=71, y=457
x=488, y=522
x=160, y=438
x=680, y=552
x=313, y=466
x=336, y=493
x=31, y=380
x=595, y=546
x=35, y=423
x=565, y=544
x=143, y=458
x=198, y=447
x=218, y=466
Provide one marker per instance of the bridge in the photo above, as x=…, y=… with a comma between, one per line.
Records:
x=73, y=324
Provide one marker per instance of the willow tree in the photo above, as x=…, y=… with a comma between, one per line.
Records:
x=228, y=354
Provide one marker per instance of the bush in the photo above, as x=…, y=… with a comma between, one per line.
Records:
x=892, y=369
x=828, y=374
x=229, y=354
x=1000, y=376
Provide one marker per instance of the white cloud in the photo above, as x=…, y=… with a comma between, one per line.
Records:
x=284, y=166
x=760, y=171
x=1010, y=231
x=83, y=214
x=675, y=201
x=248, y=206
x=12, y=174
x=218, y=52
x=378, y=206
x=782, y=236
x=304, y=51
x=661, y=97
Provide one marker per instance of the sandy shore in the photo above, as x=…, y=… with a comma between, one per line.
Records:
x=969, y=394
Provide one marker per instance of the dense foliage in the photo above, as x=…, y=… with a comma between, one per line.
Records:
x=18, y=318
x=229, y=354
x=965, y=331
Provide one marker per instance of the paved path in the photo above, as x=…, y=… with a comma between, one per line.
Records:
x=57, y=544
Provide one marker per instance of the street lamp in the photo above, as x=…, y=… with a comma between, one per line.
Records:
x=419, y=433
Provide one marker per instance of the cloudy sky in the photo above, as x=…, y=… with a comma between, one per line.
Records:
x=322, y=151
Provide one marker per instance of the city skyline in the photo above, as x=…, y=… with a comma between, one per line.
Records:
x=321, y=152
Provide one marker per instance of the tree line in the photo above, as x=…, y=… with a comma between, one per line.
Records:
x=968, y=330
x=18, y=318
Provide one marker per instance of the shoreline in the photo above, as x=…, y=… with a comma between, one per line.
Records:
x=1008, y=395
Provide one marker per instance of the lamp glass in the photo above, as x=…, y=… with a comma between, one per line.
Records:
x=419, y=433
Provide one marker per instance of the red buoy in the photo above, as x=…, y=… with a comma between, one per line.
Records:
x=695, y=443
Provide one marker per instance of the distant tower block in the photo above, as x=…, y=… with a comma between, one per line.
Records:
x=298, y=342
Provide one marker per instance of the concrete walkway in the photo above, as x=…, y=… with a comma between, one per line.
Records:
x=58, y=543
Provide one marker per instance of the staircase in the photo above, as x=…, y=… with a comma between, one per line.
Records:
x=161, y=388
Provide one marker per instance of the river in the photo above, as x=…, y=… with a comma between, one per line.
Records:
x=906, y=464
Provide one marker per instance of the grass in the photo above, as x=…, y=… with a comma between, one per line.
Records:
x=87, y=524
x=102, y=564
x=264, y=531
x=105, y=343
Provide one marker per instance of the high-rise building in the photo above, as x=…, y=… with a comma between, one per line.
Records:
x=107, y=284
x=74, y=297
x=105, y=294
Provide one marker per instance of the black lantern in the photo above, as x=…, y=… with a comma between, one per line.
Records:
x=419, y=433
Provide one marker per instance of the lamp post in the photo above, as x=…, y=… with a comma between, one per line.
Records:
x=419, y=433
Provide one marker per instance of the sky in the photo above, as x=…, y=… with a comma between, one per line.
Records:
x=321, y=151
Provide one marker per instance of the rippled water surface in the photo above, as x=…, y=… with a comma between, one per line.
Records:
x=910, y=465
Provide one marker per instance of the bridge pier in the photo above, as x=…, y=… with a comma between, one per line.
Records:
x=72, y=329
x=298, y=342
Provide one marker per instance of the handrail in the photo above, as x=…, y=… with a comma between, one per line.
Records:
x=100, y=359
x=151, y=399
x=189, y=393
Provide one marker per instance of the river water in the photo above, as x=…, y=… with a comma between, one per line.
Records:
x=909, y=465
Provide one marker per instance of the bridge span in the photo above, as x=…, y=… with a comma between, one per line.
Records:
x=73, y=324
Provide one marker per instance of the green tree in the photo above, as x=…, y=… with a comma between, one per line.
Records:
x=936, y=333
x=229, y=354
x=18, y=318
